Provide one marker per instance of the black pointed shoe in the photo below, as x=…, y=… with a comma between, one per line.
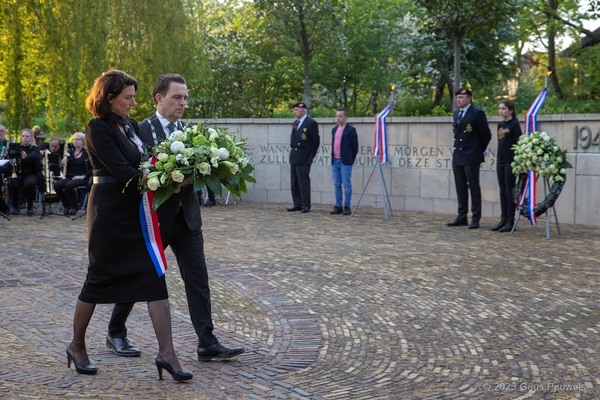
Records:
x=497, y=226
x=506, y=228
x=122, y=347
x=458, y=222
x=86, y=369
x=218, y=352
x=179, y=376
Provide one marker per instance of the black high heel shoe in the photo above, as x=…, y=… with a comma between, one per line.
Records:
x=87, y=369
x=179, y=376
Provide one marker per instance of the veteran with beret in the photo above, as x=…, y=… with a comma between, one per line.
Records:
x=304, y=144
x=471, y=137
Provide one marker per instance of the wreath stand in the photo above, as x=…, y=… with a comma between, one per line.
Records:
x=549, y=211
x=386, y=198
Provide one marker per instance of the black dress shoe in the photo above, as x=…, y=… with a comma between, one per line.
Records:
x=294, y=209
x=506, y=228
x=474, y=225
x=458, y=222
x=122, y=346
x=218, y=352
x=347, y=211
x=305, y=210
x=497, y=226
x=210, y=203
x=336, y=210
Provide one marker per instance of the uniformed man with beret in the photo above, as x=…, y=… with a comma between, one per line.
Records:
x=471, y=137
x=304, y=144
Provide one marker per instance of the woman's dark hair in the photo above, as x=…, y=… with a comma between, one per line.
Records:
x=106, y=87
x=511, y=107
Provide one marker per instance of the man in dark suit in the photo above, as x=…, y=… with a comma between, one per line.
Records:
x=181, y=229
x=344, y=147
x=471, y=137
x=304, y=144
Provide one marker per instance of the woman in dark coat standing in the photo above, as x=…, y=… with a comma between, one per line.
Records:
x=120, y=269
x=509, y=132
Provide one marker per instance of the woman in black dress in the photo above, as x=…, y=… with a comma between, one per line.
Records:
x=120, y=269
x=78, y=174
x=509, y=131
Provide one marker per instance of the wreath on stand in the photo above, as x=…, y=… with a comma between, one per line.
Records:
x=539, y=153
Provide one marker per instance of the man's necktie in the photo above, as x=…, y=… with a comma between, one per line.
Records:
x=171, y=127
x=460, y=115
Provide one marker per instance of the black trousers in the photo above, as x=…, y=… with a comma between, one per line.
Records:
x=28, y=183
x=506, y=182
x=300, y=184
x=67, y=191
x=466, y=179
x=188, y=247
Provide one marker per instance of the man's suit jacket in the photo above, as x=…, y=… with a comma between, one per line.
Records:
x=304, y=142
x=349, y=145
x=471, y=137
x=187, y=197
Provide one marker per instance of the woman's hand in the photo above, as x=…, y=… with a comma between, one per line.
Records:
x=143, y=180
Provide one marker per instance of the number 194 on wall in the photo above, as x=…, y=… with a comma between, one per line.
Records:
x=584, y=138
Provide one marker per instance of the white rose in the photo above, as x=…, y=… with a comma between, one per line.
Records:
x=212, y=134
x=182, y=159
x=162, y=157
x=223, y=153
x=188, y=152
x=234, y=169
x=214, y=153
x=204, y=168
x=177, y=135
x=177, y=176
x=177, y=146
x=153, y=183
x=243, y=162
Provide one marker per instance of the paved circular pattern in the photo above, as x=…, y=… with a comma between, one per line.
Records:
x=328, y=307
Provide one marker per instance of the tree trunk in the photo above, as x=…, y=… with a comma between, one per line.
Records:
x=553, y=4
x=457, y=47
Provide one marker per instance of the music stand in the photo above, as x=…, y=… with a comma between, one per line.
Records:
x=4, y=215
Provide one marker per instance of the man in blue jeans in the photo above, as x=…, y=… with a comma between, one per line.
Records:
x=344, y=147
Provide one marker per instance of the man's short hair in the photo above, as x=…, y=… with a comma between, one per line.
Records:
x=343, y=109
x=163, y=81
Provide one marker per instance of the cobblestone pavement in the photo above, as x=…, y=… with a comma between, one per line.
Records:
x=328, y=307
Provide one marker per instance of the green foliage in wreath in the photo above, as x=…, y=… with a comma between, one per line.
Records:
x=539, y=153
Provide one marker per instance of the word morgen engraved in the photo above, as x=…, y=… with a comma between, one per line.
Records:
x=435, y=157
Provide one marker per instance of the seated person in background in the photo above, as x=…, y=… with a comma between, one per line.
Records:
x=28, y=168
x=54, y=156
x=78, y=174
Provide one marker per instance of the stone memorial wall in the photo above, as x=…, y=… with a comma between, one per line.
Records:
x=419, y=173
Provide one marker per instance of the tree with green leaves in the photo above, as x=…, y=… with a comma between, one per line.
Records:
x=302, y=28
x=458, y=20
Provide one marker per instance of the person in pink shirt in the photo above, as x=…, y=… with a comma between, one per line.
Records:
x=343, y=153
